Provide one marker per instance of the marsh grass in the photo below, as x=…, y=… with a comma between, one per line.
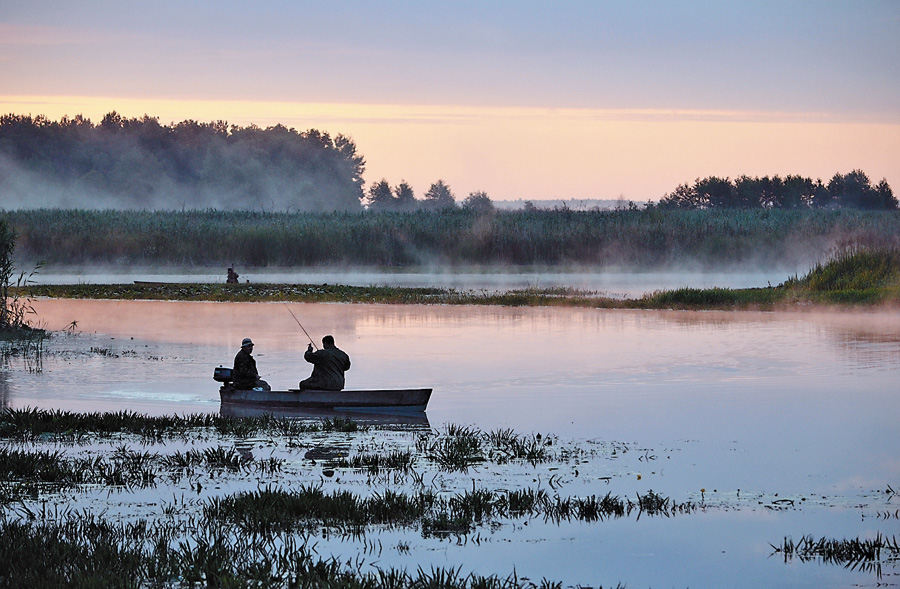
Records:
x=85, y=551
x=374, y=463
x=310, y=507
x=858, y=554
x=651, y=238
x=33, y=424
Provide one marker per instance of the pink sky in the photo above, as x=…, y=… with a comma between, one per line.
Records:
x=519, y=99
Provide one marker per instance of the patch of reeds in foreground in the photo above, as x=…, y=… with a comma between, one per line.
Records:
x=85, y=551
x=30, y=424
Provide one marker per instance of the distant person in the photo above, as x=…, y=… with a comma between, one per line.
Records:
x=244, y=375
x=329, y=365
x=232, y=276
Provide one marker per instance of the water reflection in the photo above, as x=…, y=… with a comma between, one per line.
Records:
x=415, y=421
x=612, y=284
x=4, y=390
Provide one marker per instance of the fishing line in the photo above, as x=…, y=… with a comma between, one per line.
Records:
x=301, y=327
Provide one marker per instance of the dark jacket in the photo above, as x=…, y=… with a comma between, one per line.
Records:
x=244, y=373
x=329, y=365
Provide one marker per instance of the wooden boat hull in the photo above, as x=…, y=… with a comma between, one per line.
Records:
x=374, y=400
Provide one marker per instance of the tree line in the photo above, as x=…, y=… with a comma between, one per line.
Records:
x=853, y=190
x=138, y=163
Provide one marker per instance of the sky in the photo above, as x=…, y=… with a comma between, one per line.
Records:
x=520, y=99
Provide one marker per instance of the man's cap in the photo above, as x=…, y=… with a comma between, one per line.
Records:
x=247, y=342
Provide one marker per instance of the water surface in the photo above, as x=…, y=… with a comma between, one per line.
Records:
x=749, y=406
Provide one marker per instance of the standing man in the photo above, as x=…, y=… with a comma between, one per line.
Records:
x=244, y=373
x=329, y=365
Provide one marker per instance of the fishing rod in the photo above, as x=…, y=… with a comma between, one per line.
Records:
x=301, y=327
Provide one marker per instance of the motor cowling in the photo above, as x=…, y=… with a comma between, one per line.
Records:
x=222, y=374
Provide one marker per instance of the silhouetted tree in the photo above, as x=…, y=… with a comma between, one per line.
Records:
x=478, y=201
x=381, y=197
x=853, y=190
x=683, y=197
x=747, y=192
x=886, y=197
x=439, y=196
x=405, y=197
x=715, y=192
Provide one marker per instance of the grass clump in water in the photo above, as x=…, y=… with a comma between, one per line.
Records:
x=30, y=424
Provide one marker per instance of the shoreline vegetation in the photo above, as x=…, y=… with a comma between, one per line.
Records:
x=637, y=239
x=852, y=278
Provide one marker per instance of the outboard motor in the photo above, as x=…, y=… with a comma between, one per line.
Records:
x=222, y=374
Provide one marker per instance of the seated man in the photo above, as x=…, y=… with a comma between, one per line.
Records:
x=329, y=365
x=244, y=373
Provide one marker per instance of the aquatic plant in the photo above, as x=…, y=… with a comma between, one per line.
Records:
x=374, y=463
x=863, y=554
x=32, y=423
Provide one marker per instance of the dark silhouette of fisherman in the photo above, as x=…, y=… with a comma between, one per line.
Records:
x=244, y=373
x=232, y=276
x=329, y=365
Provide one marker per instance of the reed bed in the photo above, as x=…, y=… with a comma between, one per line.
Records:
x=33, y=424
x=310, y=507
x=650, y=238
x=84, y=551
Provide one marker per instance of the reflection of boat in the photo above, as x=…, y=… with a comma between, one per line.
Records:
x=417, y=419
x=369, y=401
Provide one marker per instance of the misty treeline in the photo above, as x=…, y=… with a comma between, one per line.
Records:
x=632, y=238
x=138, y=163
x=852, y=190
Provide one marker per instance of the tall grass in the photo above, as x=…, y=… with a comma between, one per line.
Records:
x=649, y=238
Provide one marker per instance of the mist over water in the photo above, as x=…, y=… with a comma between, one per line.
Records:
x=617, y=284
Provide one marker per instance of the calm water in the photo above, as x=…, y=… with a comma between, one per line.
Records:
x=752, y=407
x=608, y=283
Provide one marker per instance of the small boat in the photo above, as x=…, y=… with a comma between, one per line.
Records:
x=363, y=400
x=381, y=417
x=370, y=400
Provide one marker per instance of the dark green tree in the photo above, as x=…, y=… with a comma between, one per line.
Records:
x=683, y=197
x=381, y=197
x=886, y=197
x=405, y=197
x=439, y=196
x=479, y=202
x=747, y=192
x=715, y=192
